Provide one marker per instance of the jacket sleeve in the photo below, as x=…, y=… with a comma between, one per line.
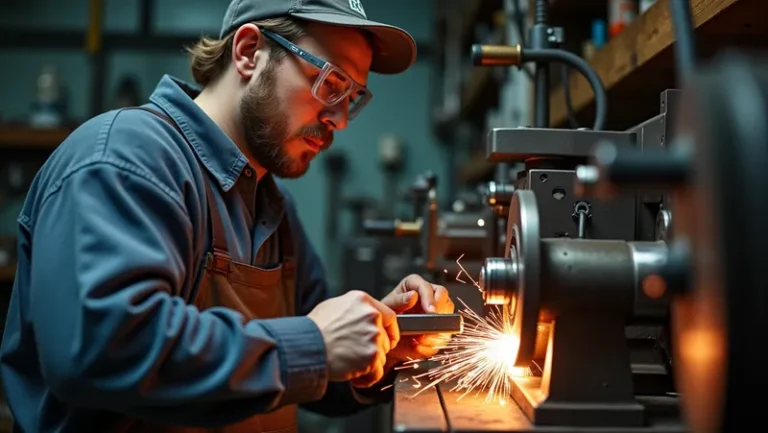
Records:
x=341, y=398
x=112, y=249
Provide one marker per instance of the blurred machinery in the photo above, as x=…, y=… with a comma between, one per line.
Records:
x=631, y=277
x=713, y=272
x=370, y=263
x=446, y=240
x=444, y=235
x=367, y=263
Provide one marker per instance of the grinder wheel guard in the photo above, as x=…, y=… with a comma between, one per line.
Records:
x=720, y=323
x=523, y=249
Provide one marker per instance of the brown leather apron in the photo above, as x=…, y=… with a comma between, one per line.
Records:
x=256, y=293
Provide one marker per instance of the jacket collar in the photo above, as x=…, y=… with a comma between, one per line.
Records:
x=216, y=150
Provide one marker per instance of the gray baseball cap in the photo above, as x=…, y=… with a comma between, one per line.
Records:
x=394, y=50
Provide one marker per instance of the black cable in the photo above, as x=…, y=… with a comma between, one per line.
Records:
x=565, y=73
x=685, y=42
x=576, y=62
x=519, y=19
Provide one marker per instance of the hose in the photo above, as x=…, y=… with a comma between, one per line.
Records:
x=565, y=75
x=576, y=62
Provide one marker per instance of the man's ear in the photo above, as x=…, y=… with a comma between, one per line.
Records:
x=249, y=51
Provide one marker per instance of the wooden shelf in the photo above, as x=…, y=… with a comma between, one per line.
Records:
x=638, y=64
x=24, y=137
x=7, y=274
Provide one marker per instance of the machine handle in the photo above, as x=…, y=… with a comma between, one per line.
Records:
x=420, y=324
x=626, y=166
x=496, y=55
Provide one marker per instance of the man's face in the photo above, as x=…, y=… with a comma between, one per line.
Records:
x=285, y=127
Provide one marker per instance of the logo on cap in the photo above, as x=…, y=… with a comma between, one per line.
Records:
x=357, y=6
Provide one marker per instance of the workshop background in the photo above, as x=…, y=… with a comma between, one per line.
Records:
x=63, y=61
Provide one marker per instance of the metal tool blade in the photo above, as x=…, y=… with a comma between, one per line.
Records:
x=420, y=324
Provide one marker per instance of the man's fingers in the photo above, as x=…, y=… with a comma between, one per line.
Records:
x=416, y=352
x=443, y=302
x=400, y=302
x=388, y=321
x=362, y=373
x=382, y=359
x=371, y=378
x=408, y=300
x=425, y=290
x=438, y=341
x=385, y=343
x=426, y=351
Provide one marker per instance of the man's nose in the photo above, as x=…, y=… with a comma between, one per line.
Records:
x=337, y=116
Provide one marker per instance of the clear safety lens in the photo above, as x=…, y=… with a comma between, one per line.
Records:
x=333, y=86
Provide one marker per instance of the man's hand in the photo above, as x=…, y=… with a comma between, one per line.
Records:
x=358, y=332
x=415, y=295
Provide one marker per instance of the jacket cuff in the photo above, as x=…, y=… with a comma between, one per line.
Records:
x=304, y=367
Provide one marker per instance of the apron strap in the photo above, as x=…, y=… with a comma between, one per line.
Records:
x=220, y=259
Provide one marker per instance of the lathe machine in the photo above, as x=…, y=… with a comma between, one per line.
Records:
x=658, y=229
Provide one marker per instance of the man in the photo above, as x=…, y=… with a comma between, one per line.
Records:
x=165, y=283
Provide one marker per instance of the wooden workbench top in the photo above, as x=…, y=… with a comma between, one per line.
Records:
x=438, y=410
x=441, y=410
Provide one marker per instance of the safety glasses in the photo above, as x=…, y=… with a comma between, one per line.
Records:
x=333, y=85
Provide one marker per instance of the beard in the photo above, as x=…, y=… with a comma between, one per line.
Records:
x=266, y=129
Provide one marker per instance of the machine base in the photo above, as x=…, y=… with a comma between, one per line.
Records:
x=440, y=410
x=527, y=393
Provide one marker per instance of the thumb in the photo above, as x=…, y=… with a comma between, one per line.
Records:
x=400, y=302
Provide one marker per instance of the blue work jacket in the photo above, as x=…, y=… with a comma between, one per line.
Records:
x=111, y=247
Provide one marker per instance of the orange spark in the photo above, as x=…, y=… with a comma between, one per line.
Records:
x=479, y=359
x=474, y=283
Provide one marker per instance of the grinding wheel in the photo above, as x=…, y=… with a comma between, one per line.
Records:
x=523, y=248
x=722, y=322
